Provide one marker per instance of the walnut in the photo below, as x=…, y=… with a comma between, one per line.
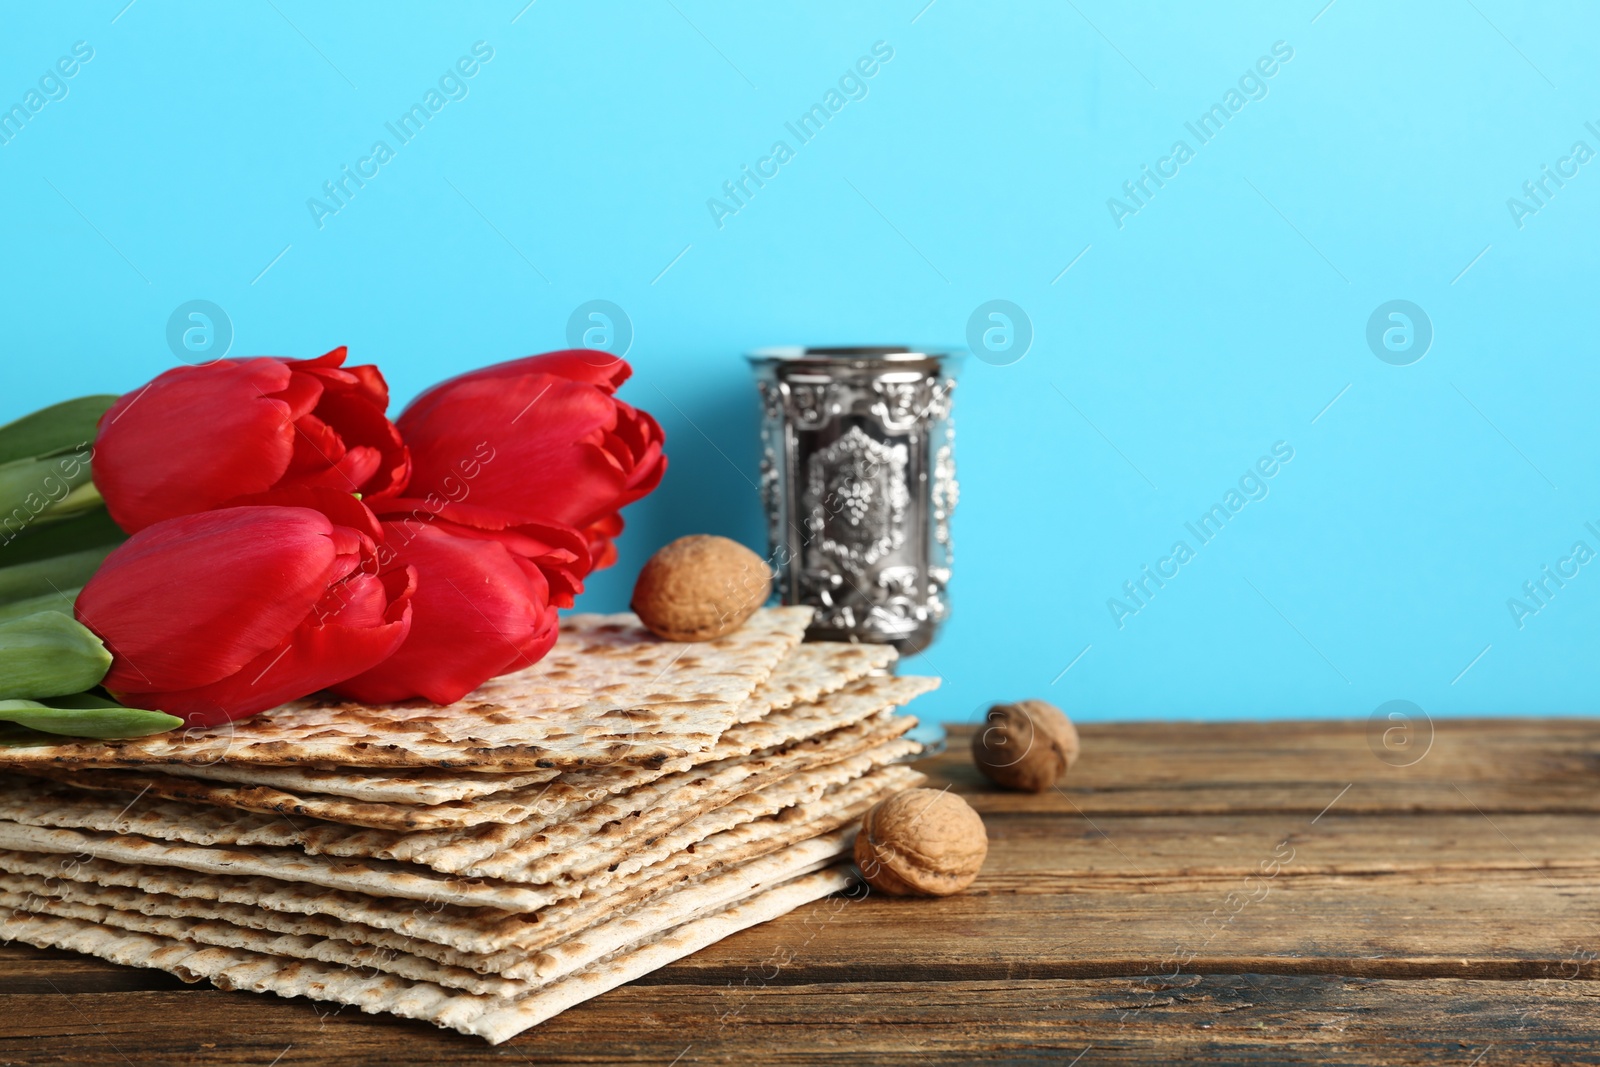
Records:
x=700, y=587
x=922, y=842
x=1027, y=745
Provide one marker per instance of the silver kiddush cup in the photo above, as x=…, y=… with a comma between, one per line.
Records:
x=858, y=476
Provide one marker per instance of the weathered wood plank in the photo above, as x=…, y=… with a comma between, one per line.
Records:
x=1340, y=909
x=1492, y=765
x=1392, y=895
x=1244, y=1018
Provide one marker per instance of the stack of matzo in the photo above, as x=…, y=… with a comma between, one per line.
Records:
x=483, y=866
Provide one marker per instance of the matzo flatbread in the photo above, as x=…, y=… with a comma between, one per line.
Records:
x=557, y=856
x=391, y=785
x=53, y=825
x=294, y=946
x=609, y=692
x=561, y=794
x=532, y=808
x=583, y=807
x=376, y=876
x=814, y=669
x=675, y=824
x=330, y=940
x=839, y=807
x=504, y=1020
x=31, y=801
x=482, y=931
x=806, y=673
x=493, y=1018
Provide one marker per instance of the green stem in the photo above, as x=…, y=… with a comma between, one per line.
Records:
x=52, y=601
x=56, y=574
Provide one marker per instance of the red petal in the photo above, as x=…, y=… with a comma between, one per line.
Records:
x=361, y=423
x=331, y=358
x=316, y=448
x=645, y=440
x=342, y=508
x=589, y=365
x=314, y=657
x=354, y=469
x=193, y=438
x=360, y=600
x=560, y=552
x=371, y=383
x=586, y=365
x=543, y=434
x=476, y=613
x=300, y=395
x=192, y=600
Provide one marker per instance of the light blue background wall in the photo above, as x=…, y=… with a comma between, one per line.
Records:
x=1225, y=316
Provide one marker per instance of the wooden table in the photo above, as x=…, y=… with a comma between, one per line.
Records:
x=1262, y=892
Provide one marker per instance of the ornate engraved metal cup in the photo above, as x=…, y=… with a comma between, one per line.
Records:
x=858, y=477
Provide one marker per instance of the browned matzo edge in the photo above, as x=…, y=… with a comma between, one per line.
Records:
x=495, y=1019
x=475, y=930
x=533, y=807
x=559, y=854
x=357, y=945
x=609, y=692
x=44, y=832
x=808, y=672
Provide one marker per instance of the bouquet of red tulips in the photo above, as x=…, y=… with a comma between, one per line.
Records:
x=246, y=532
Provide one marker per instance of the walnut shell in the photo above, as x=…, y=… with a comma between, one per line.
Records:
x=1027, y=745
x=700, y=587
x=922, y=842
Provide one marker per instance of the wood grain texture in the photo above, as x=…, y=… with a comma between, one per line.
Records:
x=1223, y=893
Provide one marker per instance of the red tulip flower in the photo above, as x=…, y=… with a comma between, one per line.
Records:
x=485, y=602
x=222, y=614
x=561, y=448
x=203, y=437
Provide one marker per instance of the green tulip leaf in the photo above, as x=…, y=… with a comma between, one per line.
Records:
x=53, y=574
x=49, y=654
x=98, y=718
x=61, y=602
x=61, y=427
x=84, y=498
x=69, y=530
x=86, y=701
x=49, y=489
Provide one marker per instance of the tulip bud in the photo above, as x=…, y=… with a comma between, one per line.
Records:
x=542, y=439
x=485, y=602
x=49, y=655
x=222, y=614
x=204, y=437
